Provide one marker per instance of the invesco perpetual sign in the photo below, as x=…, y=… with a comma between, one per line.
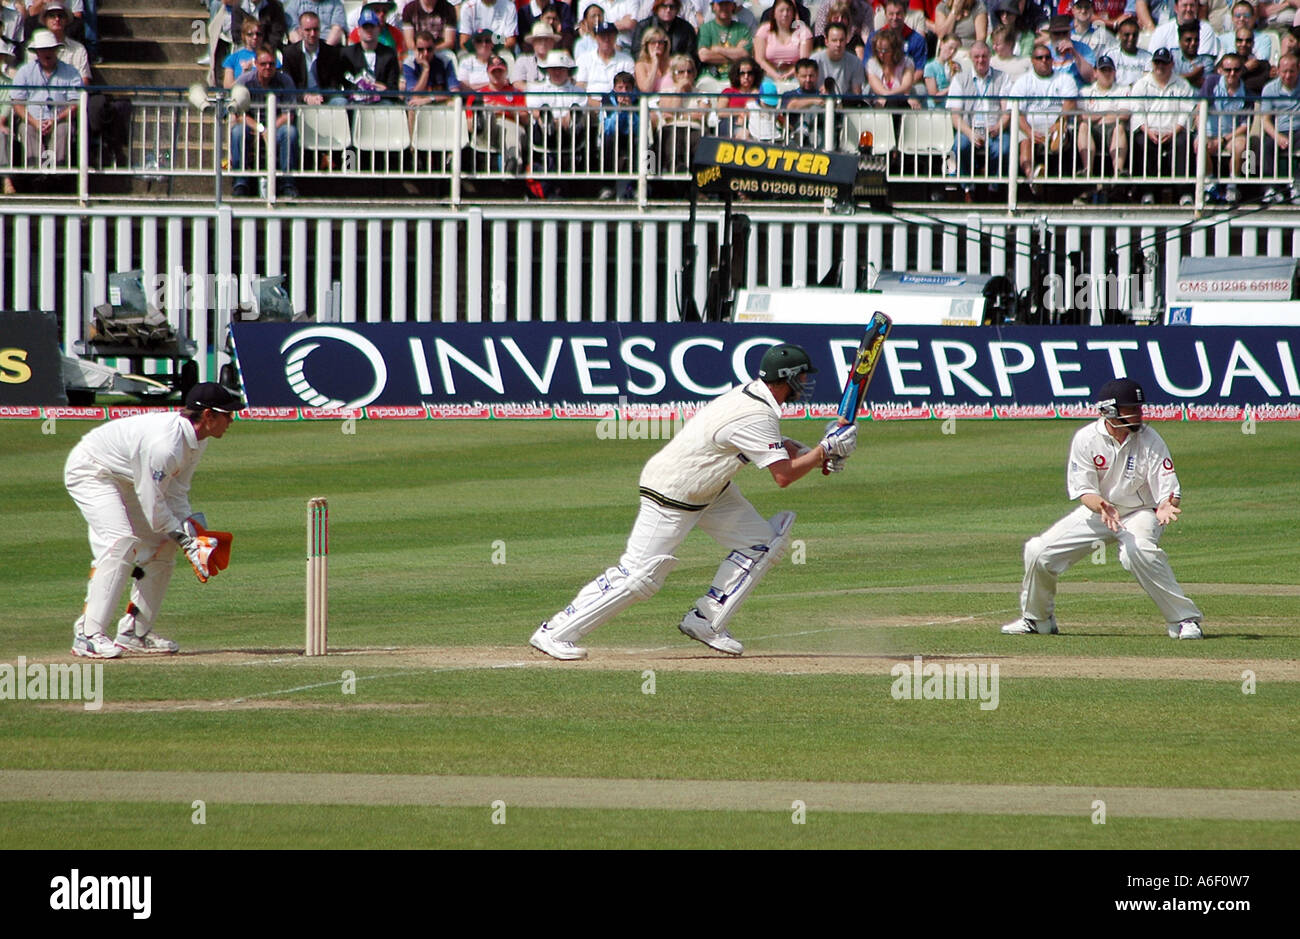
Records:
x=355, y=365
x=297, y=349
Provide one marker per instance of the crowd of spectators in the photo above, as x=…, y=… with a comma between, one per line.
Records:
x=1106, y=87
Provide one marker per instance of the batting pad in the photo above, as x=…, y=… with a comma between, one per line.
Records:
x=741, y=570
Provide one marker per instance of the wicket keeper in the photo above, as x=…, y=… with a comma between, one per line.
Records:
x=1122, y=474
x=131, y=480
x=689, y=483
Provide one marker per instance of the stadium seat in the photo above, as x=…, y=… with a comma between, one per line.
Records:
x=435, y=129
x=878, y=124
x=926, y=133
x=380, y=128
x=324, y=129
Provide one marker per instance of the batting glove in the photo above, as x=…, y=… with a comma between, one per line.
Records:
x=835, y=464
x=840, y=442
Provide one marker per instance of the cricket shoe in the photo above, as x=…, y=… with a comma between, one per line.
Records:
x=1187, y=629
x=1026, y=626
x=149, y=643
x=544, y=641
x=98, y=646
x=694, y=624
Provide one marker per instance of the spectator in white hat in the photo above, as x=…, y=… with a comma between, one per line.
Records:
x=48, y=107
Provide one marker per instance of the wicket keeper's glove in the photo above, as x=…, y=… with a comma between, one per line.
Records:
x=199, y=551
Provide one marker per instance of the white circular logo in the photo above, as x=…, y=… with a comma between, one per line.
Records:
x=298, y=347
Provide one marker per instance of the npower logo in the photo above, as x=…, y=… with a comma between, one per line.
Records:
x=300, y=345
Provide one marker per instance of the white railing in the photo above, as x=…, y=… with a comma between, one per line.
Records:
x=636, y=152
x=572, y=263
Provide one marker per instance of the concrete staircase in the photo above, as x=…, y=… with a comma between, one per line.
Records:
x=146, y=44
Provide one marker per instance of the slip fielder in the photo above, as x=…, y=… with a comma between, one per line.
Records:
x=131, y=480
x=688, y=484
x=1122, y=474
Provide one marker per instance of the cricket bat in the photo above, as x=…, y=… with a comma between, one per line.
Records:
x=864, y=366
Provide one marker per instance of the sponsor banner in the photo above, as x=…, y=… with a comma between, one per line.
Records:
x=31, y=366
x=1019, y=411
x=19, y=412
x=901, y=411
x=332, y=414
x=976, y=411
x=269, y=414
x=474, y=411
x=1215, y=412
x=581, y=370
x=401, y=412
x=67, y=413
x=529, y=411
x=116, y=411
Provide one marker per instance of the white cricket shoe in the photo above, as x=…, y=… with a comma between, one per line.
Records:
x=1026, y=626
x=98, y=646
x=544, y=641
x=1187, y=629
x=149, y=643
x=694, y=624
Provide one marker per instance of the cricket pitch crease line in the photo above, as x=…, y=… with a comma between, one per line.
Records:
x=231, y=702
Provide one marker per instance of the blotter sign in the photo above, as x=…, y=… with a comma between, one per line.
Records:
x=755, y=169
x=31, y=367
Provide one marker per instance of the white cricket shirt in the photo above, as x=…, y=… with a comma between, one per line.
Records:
x=743, y=426
x=1136, y=474
x=156, y=453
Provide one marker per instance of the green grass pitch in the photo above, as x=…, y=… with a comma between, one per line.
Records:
x=431, y=724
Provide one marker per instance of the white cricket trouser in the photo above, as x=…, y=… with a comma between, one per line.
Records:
x=1072, y=538
x=120, y=540
x=658, y=531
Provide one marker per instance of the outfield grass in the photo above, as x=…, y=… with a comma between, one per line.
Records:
x=111, y=824
x=466, y=534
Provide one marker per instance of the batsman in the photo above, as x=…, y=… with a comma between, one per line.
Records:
x=131, y=480
x=688, y=484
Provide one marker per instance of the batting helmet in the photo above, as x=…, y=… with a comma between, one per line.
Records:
x=1118, y=393
x=786, y=362
x=1121, y=393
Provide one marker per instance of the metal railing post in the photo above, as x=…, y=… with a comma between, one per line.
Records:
x=643, y=151
x=1013, y=156
x=272, y=133
x=460, y=131
x=83, y=146
x=1202, y=116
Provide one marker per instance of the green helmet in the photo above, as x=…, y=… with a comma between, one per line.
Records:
x=786, y=362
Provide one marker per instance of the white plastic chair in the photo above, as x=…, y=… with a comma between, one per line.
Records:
x=379, y=128
x=324, y=128
x=878, y=124
x=926, y=133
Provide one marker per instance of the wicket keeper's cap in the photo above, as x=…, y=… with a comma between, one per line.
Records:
x=783, y=362
x=209, y=395
x=1162, y=55
x=1119, y=393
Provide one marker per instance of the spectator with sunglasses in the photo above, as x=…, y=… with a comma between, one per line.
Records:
x=1228, y=122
